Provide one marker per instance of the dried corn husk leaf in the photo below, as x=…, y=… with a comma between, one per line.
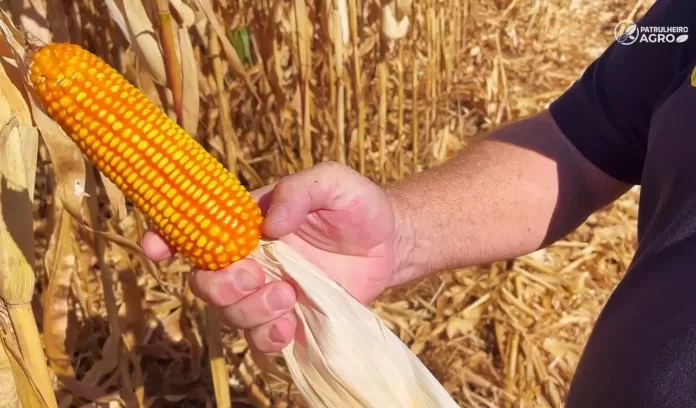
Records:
x=345, y=356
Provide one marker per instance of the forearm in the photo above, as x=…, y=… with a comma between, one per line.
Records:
x=520, y=188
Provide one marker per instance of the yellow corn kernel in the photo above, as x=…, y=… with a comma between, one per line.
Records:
x=67, y=81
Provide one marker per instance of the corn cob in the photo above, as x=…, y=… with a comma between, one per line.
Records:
x=197, y=205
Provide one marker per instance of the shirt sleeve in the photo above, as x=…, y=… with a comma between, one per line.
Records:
x=606, y=113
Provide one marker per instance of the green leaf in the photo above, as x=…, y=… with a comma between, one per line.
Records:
x=239, y=38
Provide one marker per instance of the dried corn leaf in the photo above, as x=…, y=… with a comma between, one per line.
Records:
x=115, y=196
x=391, y=28
x=132, y=311
x=142, y=36
x=109, y=361
x=9, y=396
x=68, y=165
x=344, y=355
x=131, y=247
x=61, y=263
x=27, y=393
x=186, y=13
x=17, y=278
x=118, y=18
x=16, y=233
x=32, y=19
x=13, y=104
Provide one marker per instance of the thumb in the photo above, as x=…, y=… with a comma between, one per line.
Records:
x=326, y=186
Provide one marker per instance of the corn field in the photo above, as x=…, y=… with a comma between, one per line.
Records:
x=270, y=87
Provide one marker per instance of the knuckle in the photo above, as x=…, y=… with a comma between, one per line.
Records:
x=197, y=284
x=263, y=343
x=219, y=300
x=241, y=316
x=265, y=346
x=285, y=186
x=331, y=165
x=260, y=340
x=234, y=317
x=288, y=185
x=229, y=321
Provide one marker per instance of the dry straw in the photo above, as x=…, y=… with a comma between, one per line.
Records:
x=318, y=81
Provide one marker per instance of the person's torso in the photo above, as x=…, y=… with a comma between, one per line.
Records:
x=642, y=352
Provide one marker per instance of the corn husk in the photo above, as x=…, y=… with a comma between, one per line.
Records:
x=344, y=355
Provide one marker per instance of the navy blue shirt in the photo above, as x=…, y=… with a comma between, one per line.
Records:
x=633, y=114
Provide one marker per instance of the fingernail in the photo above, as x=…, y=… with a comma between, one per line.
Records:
x=244, y=281
x=277, y=300
x=276, y=335
x=277, y=213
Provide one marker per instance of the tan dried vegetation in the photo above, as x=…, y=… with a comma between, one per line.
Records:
x=271, y=87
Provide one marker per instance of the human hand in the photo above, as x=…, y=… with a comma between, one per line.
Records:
x=339, y=220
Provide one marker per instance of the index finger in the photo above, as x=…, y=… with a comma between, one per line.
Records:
x=156, y=248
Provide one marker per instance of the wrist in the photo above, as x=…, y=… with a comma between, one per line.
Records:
x=412, y=246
